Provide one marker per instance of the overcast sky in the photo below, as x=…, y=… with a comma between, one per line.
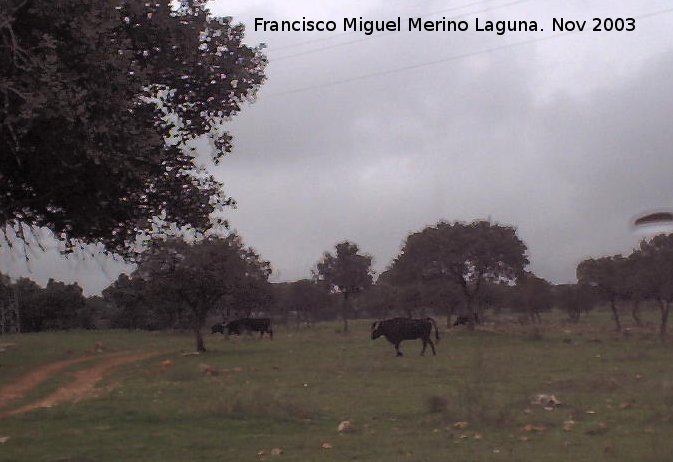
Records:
x=566, y=136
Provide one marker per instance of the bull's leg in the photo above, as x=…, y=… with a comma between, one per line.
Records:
x=425, y=344
x=397, y=348
x=270, y=334
x=432, y=345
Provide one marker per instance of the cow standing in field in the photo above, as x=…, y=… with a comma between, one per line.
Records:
x=238, y=326
x=397, y=329
x=218, y=328
x=464, y=320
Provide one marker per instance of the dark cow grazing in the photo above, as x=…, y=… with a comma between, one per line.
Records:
x=238, y=326
x=397, y=329
x=464, y=320
x=219, y=327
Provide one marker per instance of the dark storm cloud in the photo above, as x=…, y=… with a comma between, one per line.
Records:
x=375, y=159
x=611, y=152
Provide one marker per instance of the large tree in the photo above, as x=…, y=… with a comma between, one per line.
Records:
x=58, y=306
x=99, y=101
x=307, y=297
x=133, y=307
x=464, y=254
x=348, y=271
x=609, y=276
x=9, y=311
x=575, y=299
x=534, y=295
x=655, y=274
x=201, y=273
x=637, y=285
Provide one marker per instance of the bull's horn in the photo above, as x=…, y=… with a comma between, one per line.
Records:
x=374, y=325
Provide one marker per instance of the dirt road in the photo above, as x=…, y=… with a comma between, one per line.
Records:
x=80, y=388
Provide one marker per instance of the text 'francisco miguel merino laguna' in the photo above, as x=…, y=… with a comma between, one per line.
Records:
x=501, y=27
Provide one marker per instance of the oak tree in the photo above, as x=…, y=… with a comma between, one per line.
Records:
x=608, y=276
x=655, y=274
x=198, y=274
x=534, y=295
x=464, y=254
x=99, y=102
x=347, y=271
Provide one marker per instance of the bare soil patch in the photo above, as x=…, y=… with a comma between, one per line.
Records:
x=17, y=390
x=82, y=387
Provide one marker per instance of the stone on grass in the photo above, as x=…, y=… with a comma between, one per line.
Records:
x=208, y=370
x=345, y=426
x=530, y=428
x=598, y=429
x=568, y=425
x=545, y=400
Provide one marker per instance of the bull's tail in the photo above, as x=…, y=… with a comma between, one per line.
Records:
x=436, y=330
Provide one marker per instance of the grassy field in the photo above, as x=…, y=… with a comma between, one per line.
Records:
x=291, y=393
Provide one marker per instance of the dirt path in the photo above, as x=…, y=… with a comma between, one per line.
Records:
x=13, y=391
x=83, y=385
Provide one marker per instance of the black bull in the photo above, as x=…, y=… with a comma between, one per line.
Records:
x=238, y=326
x=397, y=329
x=464, y=320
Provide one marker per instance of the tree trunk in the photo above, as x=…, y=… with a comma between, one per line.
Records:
x=200, y=346
x=199, y=321
x=469, y=303
x=471, y=310
x=529, y=312
x=615, y=314
x=573, y=316
x=344, y=311
x=635, y=312
x=449, y=313
x=664, y=307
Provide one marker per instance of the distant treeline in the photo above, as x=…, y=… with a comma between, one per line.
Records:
x=181, y=285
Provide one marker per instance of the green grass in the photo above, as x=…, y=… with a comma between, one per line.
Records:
x=292, y=392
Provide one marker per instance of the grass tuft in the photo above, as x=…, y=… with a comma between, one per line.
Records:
x=436, y=404
x=260, y=403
